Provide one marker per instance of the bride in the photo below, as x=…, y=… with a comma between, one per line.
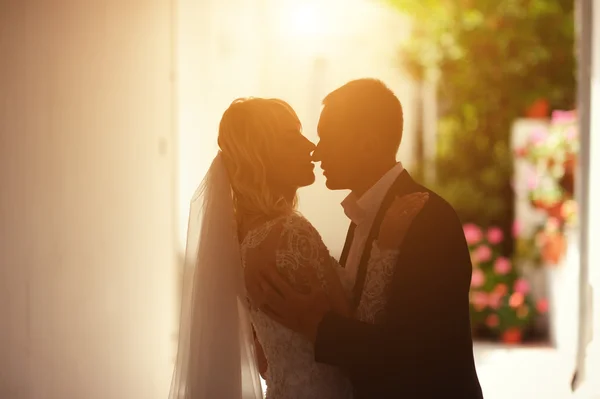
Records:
x=244, y=214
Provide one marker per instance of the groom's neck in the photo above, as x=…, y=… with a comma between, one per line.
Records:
x=371, y=175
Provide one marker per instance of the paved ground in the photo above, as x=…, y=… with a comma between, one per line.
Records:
x=522, y=372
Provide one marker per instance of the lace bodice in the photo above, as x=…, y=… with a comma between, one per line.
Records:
x=292, y=371
x=378, y=281
x=300, y=254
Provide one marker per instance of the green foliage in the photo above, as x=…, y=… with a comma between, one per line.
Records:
x=493, y=59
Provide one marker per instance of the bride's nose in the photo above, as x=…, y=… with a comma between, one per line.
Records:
x=316, y=157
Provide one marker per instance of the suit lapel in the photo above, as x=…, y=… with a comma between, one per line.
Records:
x=347, y=244
x=403, y=185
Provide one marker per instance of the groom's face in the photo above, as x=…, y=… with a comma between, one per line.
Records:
x=341, y=149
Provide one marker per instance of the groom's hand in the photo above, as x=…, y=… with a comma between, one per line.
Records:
x=275, y=296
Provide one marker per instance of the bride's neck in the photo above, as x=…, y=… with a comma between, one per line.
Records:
x=248, y=219
x=288, y=194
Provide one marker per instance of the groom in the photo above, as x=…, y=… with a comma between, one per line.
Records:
x=421, y=347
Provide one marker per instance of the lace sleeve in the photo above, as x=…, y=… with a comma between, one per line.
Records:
x=301, y=254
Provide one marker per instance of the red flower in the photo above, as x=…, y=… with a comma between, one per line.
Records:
x=516, y=300
x=492, y=321
x=521, y=152
x=539, y=109
x=542, y=305
x=512, y=335
x=501, y=289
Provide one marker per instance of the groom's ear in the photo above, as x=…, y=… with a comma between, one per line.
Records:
x=368, y=145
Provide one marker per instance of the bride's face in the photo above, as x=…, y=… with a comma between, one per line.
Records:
x=291, y=164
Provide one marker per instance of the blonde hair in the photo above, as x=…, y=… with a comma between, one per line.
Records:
x=247, y=135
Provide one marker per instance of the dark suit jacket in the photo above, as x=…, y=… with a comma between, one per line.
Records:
x=424, y=350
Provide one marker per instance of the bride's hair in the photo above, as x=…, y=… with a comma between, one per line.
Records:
x=247, y=139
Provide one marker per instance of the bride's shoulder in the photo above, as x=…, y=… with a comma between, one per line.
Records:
x=280, y=236
x=268, y=233
x=295, y=222
x=288, y=220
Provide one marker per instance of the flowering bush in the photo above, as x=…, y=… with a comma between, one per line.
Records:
x=553, y=152
x=499, y=299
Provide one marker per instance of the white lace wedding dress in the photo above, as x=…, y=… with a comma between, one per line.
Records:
x=292, y=371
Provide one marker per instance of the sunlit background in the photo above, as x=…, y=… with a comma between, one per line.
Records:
x=298, y=51
x=108, y=121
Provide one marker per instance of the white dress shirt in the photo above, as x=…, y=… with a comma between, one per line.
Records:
x=362, y=212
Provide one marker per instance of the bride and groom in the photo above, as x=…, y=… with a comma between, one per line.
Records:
x=262, y=295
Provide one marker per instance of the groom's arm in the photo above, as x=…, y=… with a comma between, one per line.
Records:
x=430, y=288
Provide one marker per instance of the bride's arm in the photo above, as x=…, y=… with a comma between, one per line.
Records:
x=303, y=312
x=305, y=259
x=302, y=263
x=261, y=359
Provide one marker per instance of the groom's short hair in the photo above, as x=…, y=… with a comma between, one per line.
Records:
x=371, y=105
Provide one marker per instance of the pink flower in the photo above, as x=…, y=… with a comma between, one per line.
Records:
x=479, y=300
x=473, y=233
x=563, y=116
x=522, y=286
x=542, y=305
x=495, y=300
x=516, y=228
x=538, y=136
x=571, y=134
x=483, y=253
x=495, y=235
x=532, y=181
x=502, y=266
x=492, y=321
x=477, y=278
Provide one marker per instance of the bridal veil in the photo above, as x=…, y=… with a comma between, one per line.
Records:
x=215, y=355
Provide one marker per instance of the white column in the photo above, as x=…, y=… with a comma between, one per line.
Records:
x=87, y=260
x=591, y=387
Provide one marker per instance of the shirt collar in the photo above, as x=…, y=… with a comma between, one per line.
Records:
x=359, y=209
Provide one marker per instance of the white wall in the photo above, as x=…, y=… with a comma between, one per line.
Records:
x=87, y=271
x=297, y=51
x=215, y=65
